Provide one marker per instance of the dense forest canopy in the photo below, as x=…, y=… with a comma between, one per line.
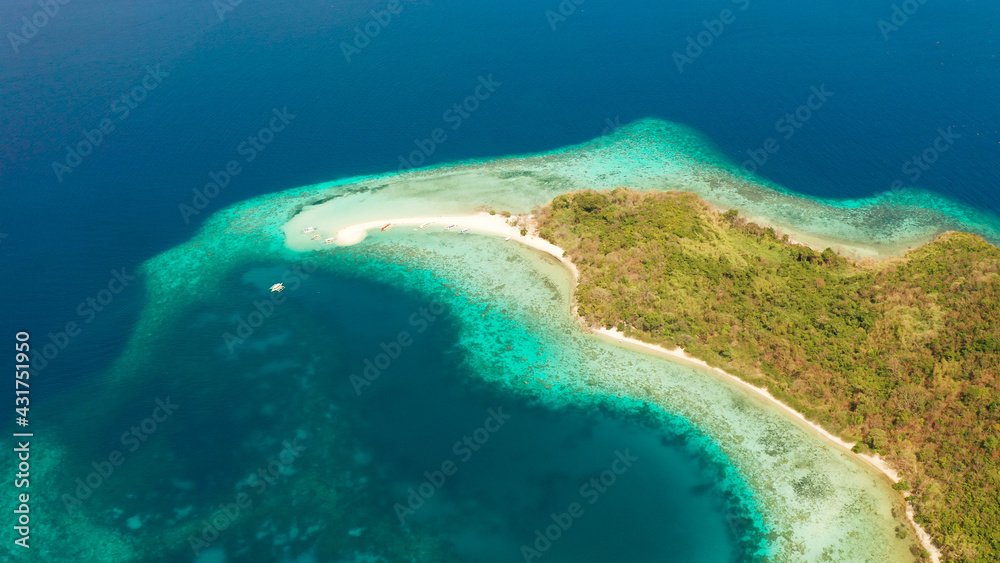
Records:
x=902, y=356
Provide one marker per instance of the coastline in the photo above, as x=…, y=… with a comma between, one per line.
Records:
x=497, y=225
x=875, y=461
x=480, y=223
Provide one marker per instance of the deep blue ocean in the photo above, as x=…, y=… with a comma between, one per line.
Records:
x=604, y=64
x=199, y=78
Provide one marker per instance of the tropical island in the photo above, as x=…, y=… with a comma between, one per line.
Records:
x=901, y=355
x=865, y=349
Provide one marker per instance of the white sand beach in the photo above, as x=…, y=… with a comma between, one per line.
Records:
x=678, y=354
x=480, y=223
x=498, y=225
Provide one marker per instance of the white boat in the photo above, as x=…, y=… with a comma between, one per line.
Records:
x=314, y=237
x=506, y=239
x=308, y=230
x=463, y=231
x=330, y=240
x=277, y=288
x=450, y=227
x=423, y=226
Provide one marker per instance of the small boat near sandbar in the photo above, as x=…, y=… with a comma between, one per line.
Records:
x=463, y=231
x=387, y=225
x=423, y=226
x=450, y=227
x=330, y=240
x=314, y=237
x=308, y=230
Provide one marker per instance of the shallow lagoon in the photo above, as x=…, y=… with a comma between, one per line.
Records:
x=366, y=448
x=727, y=476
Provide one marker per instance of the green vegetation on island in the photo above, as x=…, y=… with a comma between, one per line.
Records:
x=902, y=355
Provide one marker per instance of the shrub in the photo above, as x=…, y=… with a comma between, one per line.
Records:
x=904, y=352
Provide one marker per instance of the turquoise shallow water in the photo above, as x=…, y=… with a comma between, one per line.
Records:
x=365, y=449
x=727, y=477
x=560, y=84
x=648, y=154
